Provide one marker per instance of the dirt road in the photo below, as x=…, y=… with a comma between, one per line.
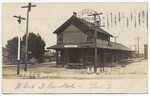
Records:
x=50, y=71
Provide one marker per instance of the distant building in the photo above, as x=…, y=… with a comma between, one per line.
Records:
x=49, y=56
x=145, y=51
x=75, y=44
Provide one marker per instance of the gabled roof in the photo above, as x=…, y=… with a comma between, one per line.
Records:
x=82, y=22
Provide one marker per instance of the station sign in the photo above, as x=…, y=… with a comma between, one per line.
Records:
x=70, y=46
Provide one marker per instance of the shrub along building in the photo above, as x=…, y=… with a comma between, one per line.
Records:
x=75, y=44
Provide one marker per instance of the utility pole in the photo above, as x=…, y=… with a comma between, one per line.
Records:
x=97, y=25
x=18, y=56
x=135, y=47
x=138, y=38
x=27, y=24
x=130, y=47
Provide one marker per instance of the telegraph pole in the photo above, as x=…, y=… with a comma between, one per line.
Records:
x=97, y=25
x=27, y=24
x=135, y=47
x=130, y=47
x=18, y=57
x=138, y=38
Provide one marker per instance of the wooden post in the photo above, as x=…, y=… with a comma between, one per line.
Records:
x=95, y=64
x=56, y=56
x=62, y=57
x=26, y=43
x=27, y=24
x=18, y=57
x=97, y=25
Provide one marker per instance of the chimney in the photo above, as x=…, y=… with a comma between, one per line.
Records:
x=74, y=14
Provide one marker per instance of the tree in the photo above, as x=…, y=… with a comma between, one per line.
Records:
x=36, y=46
x=40, y=48
x=12, y=47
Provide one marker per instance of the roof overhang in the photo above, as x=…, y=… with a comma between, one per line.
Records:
x=64, y=46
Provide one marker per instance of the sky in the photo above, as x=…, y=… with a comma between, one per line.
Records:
x=45, y=18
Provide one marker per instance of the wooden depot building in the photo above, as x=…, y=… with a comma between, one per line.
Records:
x=75, y=44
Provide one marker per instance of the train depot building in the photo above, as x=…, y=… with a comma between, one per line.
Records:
x=76, y=45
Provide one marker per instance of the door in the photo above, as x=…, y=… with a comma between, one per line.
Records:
x=73, y=56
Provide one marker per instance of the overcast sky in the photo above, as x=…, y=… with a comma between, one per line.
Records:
x=47, y=17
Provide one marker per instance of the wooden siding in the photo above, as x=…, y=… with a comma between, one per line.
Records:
x=102, y=42
x=103, y=37
x=73, y=35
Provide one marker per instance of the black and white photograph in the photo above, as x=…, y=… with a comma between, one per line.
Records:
x=75, y=47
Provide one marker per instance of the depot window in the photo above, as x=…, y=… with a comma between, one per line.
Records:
x=60, y=38
x=89, y=37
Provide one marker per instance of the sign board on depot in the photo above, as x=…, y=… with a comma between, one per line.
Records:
x=70, y=46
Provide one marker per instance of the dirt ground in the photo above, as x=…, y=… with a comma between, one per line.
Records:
x=50, y=71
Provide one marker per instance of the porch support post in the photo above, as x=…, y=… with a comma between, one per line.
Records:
x=56, y=56
x=62, y=57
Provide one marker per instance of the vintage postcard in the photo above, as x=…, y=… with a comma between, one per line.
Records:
x=64, y=47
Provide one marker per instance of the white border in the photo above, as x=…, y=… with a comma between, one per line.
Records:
x=72, y=1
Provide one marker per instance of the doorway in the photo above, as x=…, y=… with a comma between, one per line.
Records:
x=73, y=56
